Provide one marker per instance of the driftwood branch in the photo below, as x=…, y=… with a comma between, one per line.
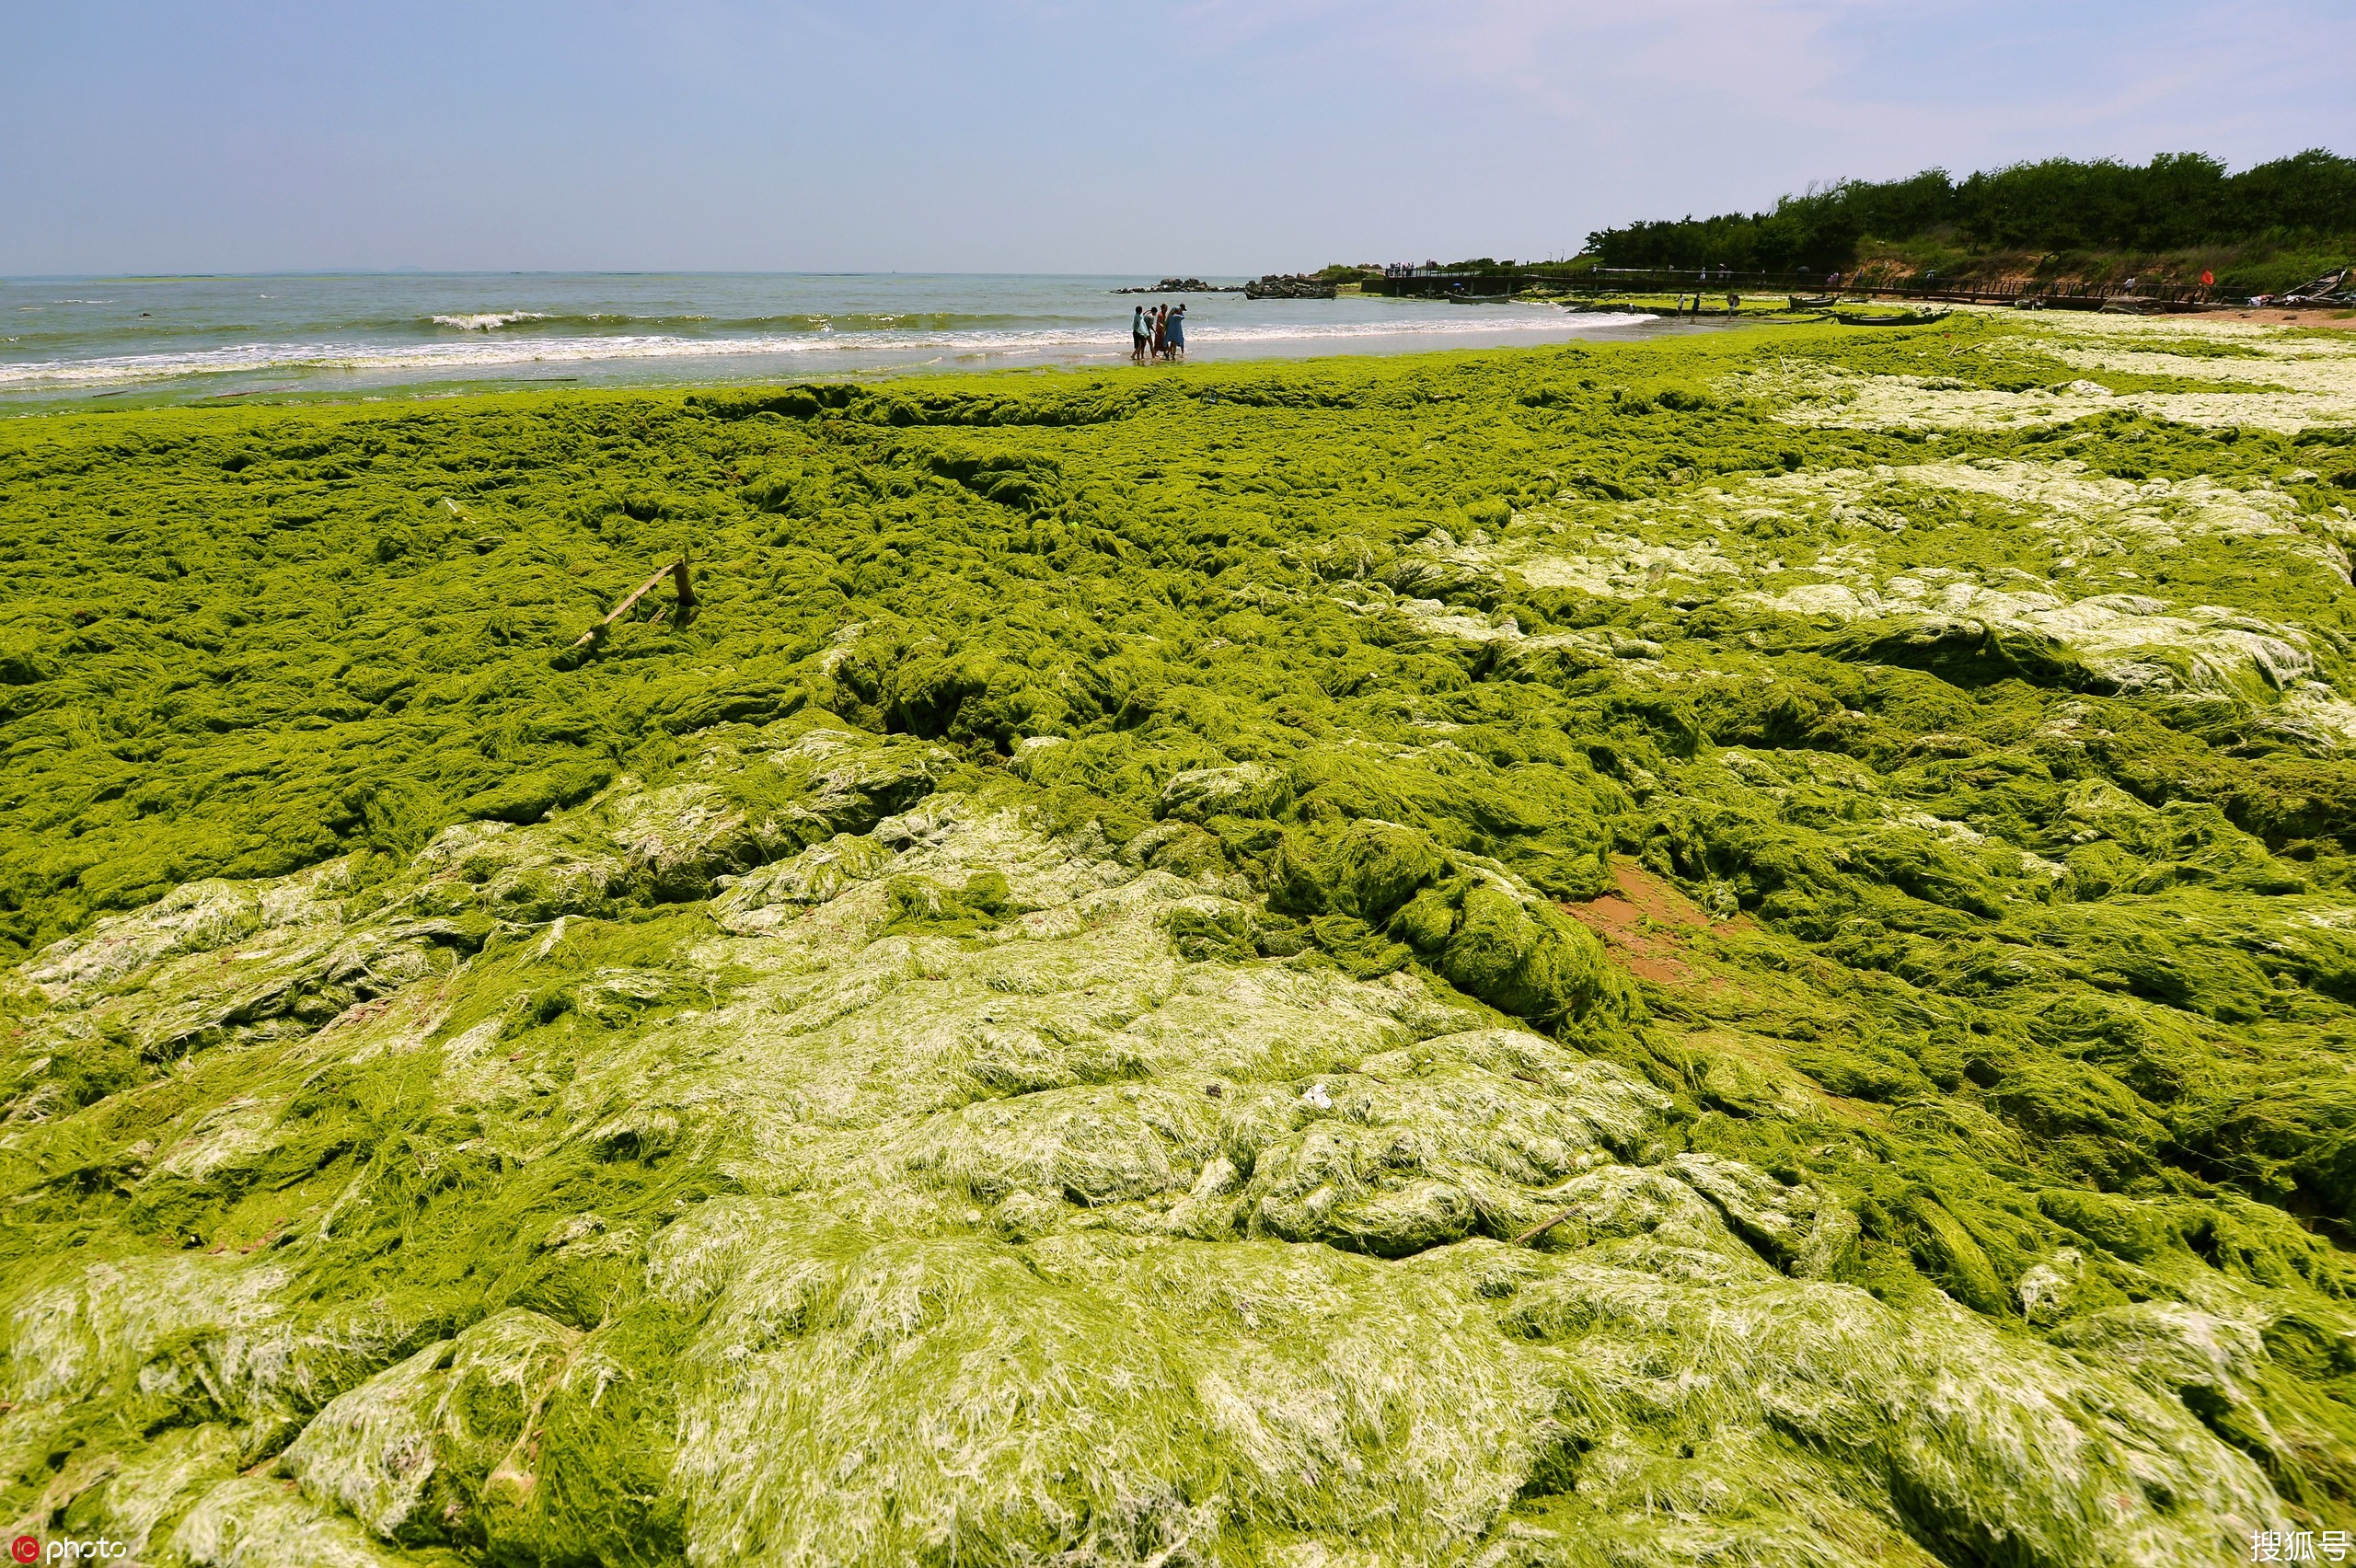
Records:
x=1535, y=1231
x=676, y=571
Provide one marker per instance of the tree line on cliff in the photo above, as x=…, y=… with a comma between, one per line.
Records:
x=2178, y=199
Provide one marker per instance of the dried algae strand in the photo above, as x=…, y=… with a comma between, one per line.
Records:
x=1715, y=950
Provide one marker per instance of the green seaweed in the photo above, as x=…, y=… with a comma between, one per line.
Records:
x=1592, y=955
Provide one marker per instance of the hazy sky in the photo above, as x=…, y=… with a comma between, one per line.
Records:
x=1198, y=136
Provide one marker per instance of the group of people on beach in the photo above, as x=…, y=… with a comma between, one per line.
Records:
x=1158, y=332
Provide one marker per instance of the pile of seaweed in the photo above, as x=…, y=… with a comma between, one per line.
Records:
x=1737, y=950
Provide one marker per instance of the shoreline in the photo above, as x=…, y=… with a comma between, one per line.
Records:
x=690, y=368
x=67, y=341
x=1637, y=321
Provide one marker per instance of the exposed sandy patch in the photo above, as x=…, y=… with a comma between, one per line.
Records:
x=2335, y=321
x=1646, y=924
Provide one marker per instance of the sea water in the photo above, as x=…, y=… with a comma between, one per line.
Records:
x=188, y=338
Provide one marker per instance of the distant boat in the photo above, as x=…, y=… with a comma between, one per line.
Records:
x=1810, y=302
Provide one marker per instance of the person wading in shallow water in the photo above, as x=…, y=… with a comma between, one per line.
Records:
x=1157, y=332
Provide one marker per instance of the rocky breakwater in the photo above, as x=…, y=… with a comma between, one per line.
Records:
x=1181, y=285
x=1298, y=285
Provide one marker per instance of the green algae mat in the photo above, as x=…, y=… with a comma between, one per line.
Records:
x=1733, y=951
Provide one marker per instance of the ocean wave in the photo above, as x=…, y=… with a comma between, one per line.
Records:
x=487, y=353
x=795, y=321
x=1457, y=324
x=489, y=320
x=916, y=321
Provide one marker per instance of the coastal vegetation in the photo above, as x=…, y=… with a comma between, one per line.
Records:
x=2267, y=227
x=1736, y=949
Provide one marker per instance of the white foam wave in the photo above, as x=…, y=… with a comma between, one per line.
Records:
x=487, y=353
x=1457, y=324
x=490, y=320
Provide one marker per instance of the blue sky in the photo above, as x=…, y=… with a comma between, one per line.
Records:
x=1033, y=135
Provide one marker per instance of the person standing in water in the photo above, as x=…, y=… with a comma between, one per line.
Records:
x=1174, y=335
x=1137, y=336
x=1160, y=316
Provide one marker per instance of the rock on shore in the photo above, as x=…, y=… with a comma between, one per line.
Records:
x=1293, y=286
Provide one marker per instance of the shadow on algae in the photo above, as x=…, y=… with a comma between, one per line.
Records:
x=1738, y=950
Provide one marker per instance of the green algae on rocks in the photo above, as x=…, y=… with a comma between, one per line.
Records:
x=1737, y=949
